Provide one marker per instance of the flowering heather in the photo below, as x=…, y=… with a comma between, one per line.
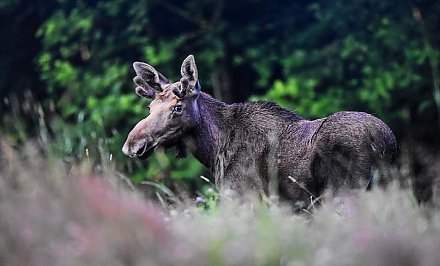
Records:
x=53, y=215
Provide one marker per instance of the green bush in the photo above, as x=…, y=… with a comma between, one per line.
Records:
x=312, y=57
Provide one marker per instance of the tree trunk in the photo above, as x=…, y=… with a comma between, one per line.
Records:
x=221, y=81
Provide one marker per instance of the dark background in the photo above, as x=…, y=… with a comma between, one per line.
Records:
x=65, y=79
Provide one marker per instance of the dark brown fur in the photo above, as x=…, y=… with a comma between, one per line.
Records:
x=264, y=148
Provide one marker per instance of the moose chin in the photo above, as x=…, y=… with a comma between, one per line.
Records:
x=259, y=146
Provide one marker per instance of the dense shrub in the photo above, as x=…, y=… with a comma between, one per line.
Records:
x=310, y=56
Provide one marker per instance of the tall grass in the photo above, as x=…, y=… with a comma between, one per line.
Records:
x=52, y=213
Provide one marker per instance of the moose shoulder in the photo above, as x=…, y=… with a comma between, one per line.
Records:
x=258, y=146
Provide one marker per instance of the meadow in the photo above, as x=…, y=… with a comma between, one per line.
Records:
x=58, y=213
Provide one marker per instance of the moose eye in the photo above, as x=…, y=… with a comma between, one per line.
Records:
x=177, y=108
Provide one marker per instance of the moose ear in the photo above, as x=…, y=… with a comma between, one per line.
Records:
x=150, y=75
x=189, y=71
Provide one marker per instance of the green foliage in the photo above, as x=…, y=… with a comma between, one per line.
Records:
x=208, y=197
x=86, y=65
x=301, y=96
x=347, y=58
x=314, y=57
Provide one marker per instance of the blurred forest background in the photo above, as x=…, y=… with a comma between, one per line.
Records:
x=66, y=69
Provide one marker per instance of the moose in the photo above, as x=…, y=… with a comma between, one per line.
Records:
x=258, y=146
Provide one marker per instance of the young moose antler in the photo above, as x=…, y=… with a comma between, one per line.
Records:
x=148, y=80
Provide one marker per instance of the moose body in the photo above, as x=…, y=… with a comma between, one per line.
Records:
x=258, y=146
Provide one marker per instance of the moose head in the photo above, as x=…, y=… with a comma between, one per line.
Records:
x=173, y=109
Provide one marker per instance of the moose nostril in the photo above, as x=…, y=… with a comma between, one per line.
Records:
x=141, y=150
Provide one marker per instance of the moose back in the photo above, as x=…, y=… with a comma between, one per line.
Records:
x=258, y=146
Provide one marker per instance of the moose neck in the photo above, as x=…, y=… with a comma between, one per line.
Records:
x=205, y=139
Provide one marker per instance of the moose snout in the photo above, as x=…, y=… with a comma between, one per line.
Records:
x=126, y=149
x=134, y=149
